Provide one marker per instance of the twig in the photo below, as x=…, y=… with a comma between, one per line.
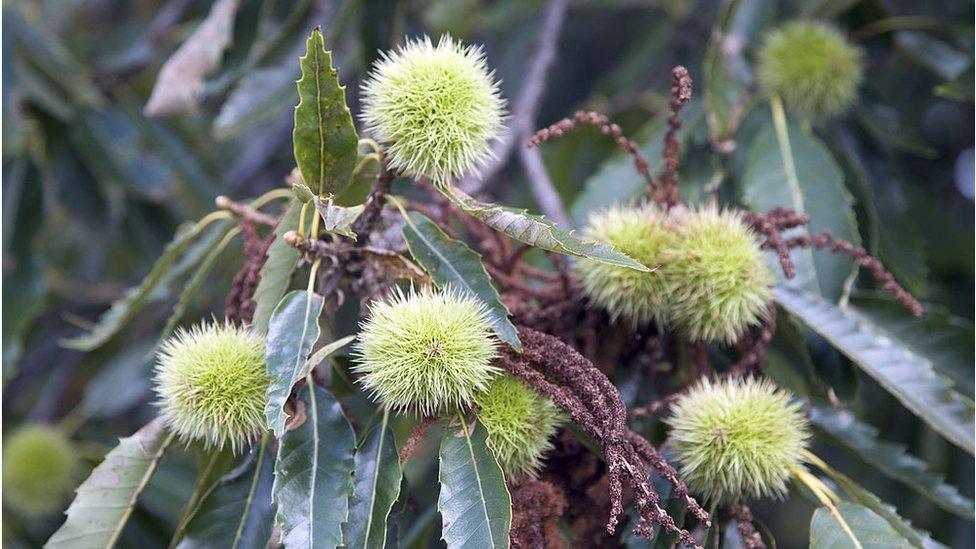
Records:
x=245, y=212
x=540, y=184
x=826, y=240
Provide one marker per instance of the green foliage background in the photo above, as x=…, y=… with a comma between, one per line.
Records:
x=93, y=189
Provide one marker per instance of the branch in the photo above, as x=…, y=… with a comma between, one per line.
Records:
x=541, y=185
x=527, y=104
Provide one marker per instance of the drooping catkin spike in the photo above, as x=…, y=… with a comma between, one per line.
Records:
x=587, y=395
x=664, y=189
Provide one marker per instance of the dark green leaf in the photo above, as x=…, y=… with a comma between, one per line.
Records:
x=452, y=263
x=903, y=373
x=796, y=171
x=325, y=139
x=338, y=219
x=135, y=299
x=869, y=530
x=894, y=236
x=474, y=502
x=313, y=474
x=890, y=458
x=377, y=476
x=540, y=232
x=916, y=537
x=105, y=501
x=277, y=270
x=238, y=513
x=212, y=465
x=944, y=339
x=292, y=331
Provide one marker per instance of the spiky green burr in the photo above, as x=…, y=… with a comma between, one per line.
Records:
x=737, y=438
x=212, y=383
x=437, y=107
x=812, y=66
x=643, y=233
x=718, y=280
x=38, y=466
x=520, y=423
x=426, y=351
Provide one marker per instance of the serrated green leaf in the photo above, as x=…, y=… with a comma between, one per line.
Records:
x=918, y=538
x=474, y=502
x=869, y=530
x=338, y=219
x=313, y=473
x=237, y=514
x=378, y=474
x=292, y=331
x=136, y=298
x=277, y=269
x=105, y=501
x=540, y=232
x=908, y=376
x=944, y=339
x=450, y=262
x=790, y=168
x=891, y=459
x=325, y=138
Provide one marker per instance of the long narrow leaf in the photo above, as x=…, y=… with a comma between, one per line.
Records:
x=378, y=474
x=906, y=375
x=474, y=502
x=238, y=513
x=325, y=138
x=193, y=285
x=105, y=501
x=918, y=538
x=293, y=329
x=791, y=168
x=313, y=474
x=891, y=459
x=540, y=232
x=453, y=263
x=277, y=270
x=135, y=299
x=870, y=531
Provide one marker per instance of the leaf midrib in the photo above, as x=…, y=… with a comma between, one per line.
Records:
x=477, y=474
x=376, y=476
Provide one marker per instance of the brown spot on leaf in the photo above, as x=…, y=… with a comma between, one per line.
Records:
x=296, y=415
